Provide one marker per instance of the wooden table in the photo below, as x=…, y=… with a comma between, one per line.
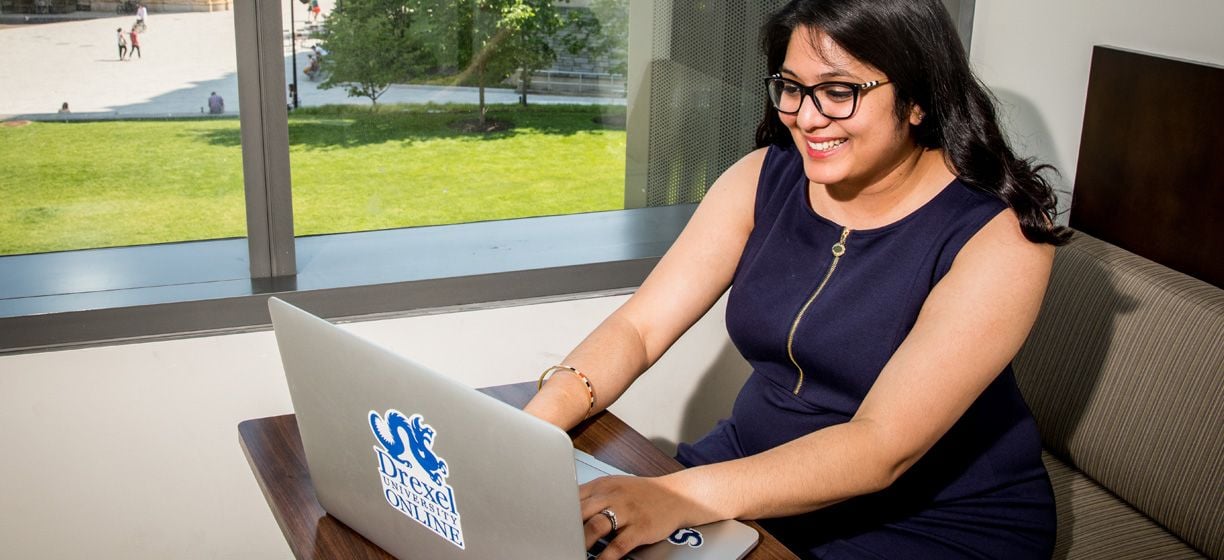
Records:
x=273, y=448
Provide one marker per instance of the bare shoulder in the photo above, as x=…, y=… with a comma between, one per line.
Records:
x=753, y=159
x=732, y=197
x=1000, y=250
x=744, y=173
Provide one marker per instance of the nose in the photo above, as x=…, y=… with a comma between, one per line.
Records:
x=809, y=117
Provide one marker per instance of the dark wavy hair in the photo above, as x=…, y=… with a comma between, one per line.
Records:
x=914, y=43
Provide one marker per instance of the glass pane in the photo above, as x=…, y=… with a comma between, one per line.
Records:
x=424, y=112
x=99, y=151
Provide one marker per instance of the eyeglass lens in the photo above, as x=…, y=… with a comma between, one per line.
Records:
x=833, y=100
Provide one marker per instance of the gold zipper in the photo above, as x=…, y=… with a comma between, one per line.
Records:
x=839, y=249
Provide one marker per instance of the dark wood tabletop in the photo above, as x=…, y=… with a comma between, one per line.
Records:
x=273, y=448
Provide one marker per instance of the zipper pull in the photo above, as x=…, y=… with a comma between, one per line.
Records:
x=839, y=248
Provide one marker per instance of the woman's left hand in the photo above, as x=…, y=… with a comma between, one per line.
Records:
x=646, y=510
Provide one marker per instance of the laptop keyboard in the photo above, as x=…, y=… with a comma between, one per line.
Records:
x=589, y=468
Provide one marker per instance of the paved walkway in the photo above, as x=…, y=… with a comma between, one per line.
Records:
x=185, y=57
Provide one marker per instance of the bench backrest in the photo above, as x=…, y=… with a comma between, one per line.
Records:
x=1124, y=372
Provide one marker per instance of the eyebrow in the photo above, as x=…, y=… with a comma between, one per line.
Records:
x=836, y=73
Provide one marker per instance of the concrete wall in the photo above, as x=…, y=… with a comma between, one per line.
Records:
x=1035, y=57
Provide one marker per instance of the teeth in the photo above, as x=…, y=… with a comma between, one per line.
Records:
x=826, y=146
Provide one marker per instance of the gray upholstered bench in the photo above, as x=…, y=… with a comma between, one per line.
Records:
x=1124, y=372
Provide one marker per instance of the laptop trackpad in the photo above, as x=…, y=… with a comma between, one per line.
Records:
x=589, y=468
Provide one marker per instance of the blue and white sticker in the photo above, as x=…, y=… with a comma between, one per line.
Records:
x=687, y=536
x=413, y=476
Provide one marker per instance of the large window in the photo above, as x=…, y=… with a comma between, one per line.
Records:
x=426, y=112
x=506, y=157
x=108, y=139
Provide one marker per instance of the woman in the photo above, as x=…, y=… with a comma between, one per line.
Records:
x=887, y=255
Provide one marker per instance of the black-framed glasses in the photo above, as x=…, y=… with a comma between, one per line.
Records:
x=834, y=100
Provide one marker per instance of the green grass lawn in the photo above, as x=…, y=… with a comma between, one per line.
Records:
x=113, y=183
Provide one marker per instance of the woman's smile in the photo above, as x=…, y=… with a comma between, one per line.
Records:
x=819, y=147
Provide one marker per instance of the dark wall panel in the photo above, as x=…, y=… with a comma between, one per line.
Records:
x=1150, y=177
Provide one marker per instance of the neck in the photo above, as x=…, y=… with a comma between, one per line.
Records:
x=916, y=178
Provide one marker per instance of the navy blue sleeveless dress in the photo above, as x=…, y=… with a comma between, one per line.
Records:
x=981, y=491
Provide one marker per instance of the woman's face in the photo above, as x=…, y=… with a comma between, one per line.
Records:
x=856, y=152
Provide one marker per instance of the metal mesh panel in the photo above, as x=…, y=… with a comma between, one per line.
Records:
x=706, y=94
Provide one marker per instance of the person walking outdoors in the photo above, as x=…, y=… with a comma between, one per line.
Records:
x=135, y=44
x=142, y=16
x=122, y=42
x=216, y=105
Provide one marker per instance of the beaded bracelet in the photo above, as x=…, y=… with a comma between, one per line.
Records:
x=585, y=381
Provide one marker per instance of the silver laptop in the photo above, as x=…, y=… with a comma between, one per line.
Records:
x=429, y=468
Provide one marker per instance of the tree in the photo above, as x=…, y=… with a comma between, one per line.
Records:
x=528, y=49
x=496, y=37
x=375, y=43
x=372, y=44
x=601, y=33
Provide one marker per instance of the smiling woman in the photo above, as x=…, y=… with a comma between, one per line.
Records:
x=885, y=254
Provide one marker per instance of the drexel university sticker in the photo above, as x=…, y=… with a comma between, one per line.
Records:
x=413, y=476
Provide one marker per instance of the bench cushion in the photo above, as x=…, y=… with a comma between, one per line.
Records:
x=1124, y=372
x=1094, y=524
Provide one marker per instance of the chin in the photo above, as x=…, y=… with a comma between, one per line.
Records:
x=823, y=173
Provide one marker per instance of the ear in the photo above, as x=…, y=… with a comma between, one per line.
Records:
x=916, y=115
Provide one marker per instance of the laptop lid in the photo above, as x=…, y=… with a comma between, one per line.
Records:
x=427, y=467
x=418, y=463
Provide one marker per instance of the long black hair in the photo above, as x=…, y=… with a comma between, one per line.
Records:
x=914, y=43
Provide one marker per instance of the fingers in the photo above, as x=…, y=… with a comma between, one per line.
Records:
x=600, y=518
x=620, y=546
x=620, y=542
x=595, y=528
x=619, y=510
x=595, y=494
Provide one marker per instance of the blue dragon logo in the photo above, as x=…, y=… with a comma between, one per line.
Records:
x=689, y=536
x=396, y=430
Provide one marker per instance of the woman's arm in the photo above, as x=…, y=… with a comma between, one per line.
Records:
x=971, y=325
x=688, y=280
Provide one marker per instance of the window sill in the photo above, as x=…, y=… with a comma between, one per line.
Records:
x=98, y=296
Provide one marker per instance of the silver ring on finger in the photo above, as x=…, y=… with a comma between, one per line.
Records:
x=611, y=517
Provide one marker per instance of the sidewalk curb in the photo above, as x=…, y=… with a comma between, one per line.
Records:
x=108, y=116
x=37, y=19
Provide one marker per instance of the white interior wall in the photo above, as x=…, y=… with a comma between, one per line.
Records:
x=132, y=451
x=1035, y=56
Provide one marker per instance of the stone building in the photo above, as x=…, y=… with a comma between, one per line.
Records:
x=68, y=6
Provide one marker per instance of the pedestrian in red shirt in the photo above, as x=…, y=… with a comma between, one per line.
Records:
x=135, y=44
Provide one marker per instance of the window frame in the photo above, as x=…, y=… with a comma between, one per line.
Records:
x=345, y=276
x=178, y=290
